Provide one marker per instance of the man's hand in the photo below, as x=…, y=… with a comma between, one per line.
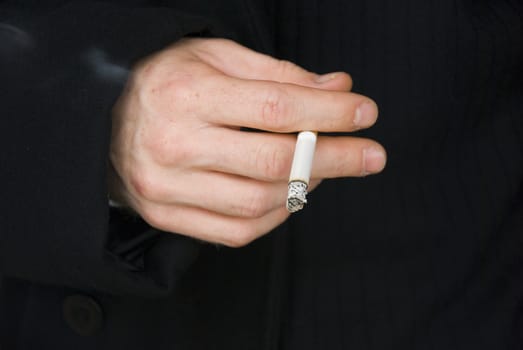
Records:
x=184, y=163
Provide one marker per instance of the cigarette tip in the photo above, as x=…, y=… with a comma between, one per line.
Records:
x=297, y=196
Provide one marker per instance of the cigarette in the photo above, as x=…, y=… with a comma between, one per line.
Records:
x=301, y=171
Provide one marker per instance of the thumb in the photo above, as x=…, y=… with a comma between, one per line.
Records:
x=240, y=62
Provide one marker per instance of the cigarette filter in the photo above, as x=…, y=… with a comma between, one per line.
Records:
x=301, y=171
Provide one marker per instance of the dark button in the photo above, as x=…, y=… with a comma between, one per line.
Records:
x=83, y=314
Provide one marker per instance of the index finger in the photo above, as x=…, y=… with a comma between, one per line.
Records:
x=241, y=62
x=284, y=107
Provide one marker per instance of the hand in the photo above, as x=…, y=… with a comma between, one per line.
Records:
x=185, y=165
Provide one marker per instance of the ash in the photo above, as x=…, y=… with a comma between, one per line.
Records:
x=297, y=196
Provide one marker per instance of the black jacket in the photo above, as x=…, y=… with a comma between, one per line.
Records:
x=427, y=255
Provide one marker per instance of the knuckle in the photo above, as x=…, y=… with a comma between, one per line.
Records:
x=168, y=148
x=182, y=153
x=255, y=204
x=169, y=91
x=159, y=148
x=272, y=161
x=144, y=184
x=179, y=86
x=241, y=235
x=276, y=110
x=154, y=217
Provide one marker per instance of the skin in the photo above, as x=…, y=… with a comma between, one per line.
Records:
x=182, y=161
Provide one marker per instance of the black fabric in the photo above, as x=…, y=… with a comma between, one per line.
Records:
x=64, y=65
x=426, y=255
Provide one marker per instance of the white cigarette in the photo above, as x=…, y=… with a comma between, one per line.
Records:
x=301, y=170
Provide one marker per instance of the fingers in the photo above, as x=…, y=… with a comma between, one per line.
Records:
x=240, y=62
x=221, y=193
x=268, y=157
x=210, y=226
x=184, y=164
x=347, y=156
x=282, y=107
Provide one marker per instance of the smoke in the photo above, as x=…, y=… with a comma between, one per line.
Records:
x=102, y=66
x=13, y=41
x=20, y=55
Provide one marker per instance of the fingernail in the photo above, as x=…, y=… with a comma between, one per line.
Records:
x=322, y=79
x=366, y=114
x=373, y=160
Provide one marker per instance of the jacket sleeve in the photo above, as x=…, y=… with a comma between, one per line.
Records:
x=62, y=66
